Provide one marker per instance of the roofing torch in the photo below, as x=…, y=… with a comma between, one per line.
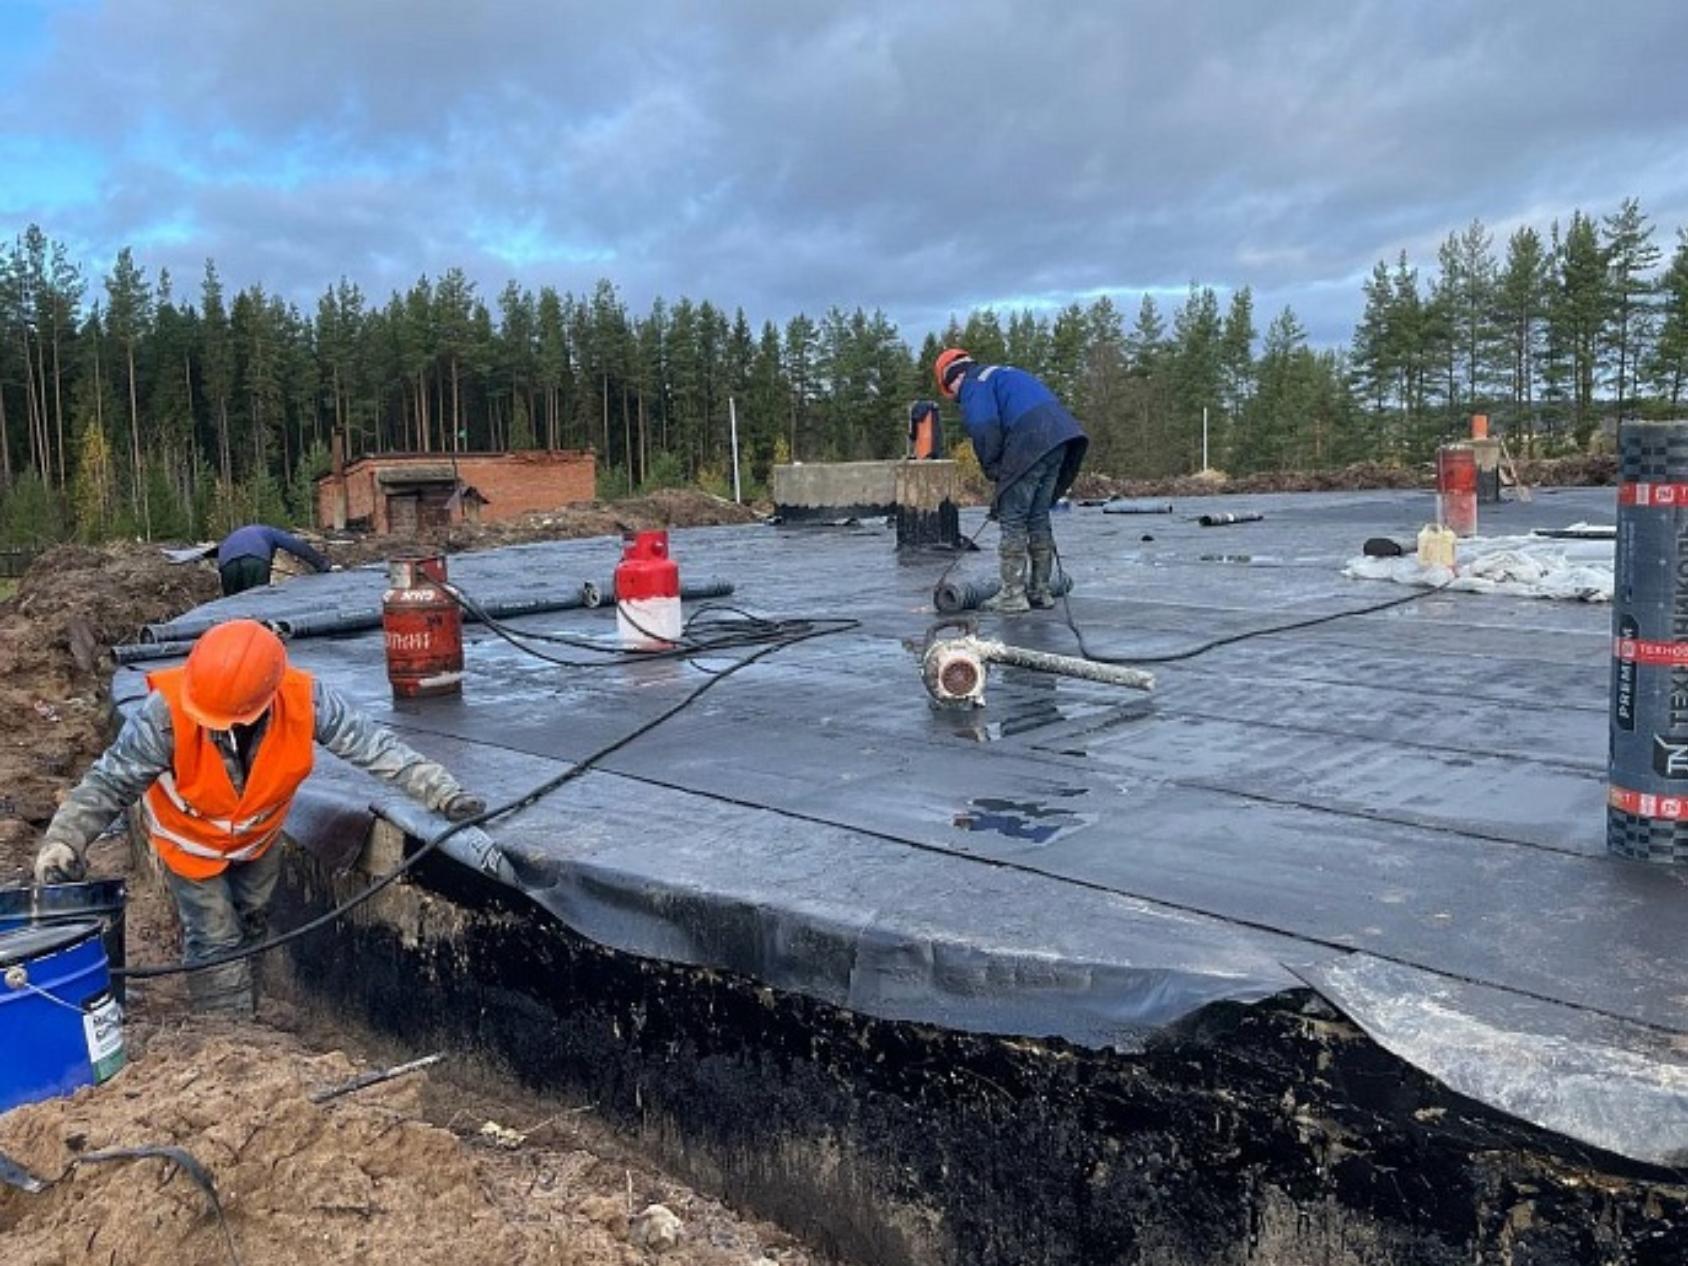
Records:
x=955, y=667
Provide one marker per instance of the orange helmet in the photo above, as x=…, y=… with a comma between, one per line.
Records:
x=941, y=368
x=232, y=674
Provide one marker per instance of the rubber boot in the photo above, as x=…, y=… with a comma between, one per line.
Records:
x=1043, y=567
x=1011, y=598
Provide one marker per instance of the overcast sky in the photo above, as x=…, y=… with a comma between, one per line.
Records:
x=780, y=155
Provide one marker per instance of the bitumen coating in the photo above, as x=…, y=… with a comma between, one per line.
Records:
x=1404, y=809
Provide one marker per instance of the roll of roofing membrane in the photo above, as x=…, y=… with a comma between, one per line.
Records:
x=1647, y=799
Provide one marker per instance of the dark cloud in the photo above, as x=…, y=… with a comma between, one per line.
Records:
x=921, y=158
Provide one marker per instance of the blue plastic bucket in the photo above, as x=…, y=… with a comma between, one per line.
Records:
x=101, y=899
x=60, y=1028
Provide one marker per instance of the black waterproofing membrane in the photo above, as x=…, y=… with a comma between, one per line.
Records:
x=1404, y=811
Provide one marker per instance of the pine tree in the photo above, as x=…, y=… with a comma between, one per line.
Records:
x=983, y=337
x=218, y=365
x=128, y=314
x=1631, y=256
x=801, y=342
x=552, y=364
x=1146, y=344
x=1067, y=339
x=1373, y=359
x=1669, y=366
x=765, y=405
x=1579, y=312
x=454, y=299
x=1236, y=352
x=1468, y=277
x=1520, y=309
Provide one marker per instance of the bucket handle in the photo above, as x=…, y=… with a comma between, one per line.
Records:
x=17, y=978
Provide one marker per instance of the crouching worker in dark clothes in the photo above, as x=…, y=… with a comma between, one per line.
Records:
x=246, y=555
x=1031, y=449
x=215, y=755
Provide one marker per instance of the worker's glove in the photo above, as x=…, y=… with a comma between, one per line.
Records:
x=59, y=863
x=463, y=806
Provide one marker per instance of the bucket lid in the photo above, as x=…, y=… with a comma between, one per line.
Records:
x=36, y=942
x=56, y=901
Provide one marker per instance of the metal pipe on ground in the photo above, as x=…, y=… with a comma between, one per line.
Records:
x=596, y=594
x=953, y=596
x=176, y=638
x=1222, y=520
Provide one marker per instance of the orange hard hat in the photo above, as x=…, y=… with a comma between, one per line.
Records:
x=232, y=675
x=941, y=367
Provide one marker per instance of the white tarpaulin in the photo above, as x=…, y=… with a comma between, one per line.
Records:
x=1522, y=566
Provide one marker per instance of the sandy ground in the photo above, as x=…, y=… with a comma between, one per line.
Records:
x=417, y=1170
x=442, y=1166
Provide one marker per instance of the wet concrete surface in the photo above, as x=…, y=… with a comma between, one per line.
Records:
x=1423, y=787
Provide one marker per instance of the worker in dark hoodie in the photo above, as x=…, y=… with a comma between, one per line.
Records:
x=246, y=555
x=1031, y=449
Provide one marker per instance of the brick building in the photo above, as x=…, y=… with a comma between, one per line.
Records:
x=397, y=493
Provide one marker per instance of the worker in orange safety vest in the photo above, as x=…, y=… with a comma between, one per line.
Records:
x=215, y=754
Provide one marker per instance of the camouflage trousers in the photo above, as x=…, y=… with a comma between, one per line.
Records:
x=223, y=913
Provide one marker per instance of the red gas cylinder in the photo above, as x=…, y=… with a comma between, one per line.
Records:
x=424, y=628
x=647, y=593
x=1456, y=488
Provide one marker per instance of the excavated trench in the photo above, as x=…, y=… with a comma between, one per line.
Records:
x=1275, y=1133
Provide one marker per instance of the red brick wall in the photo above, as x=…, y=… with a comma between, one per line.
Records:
x=514, y=484
x=360, y=497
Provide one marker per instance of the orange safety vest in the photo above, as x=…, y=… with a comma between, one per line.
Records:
x=197, y=821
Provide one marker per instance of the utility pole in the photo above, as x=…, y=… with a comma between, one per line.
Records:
x=1204, y=437
x=732, y=419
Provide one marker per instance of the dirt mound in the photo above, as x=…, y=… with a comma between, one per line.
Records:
x=668, y=507
x=1597, y=470
x=1362, y=475
x=365, y=1178
x=71, y=605
x=1594, y=470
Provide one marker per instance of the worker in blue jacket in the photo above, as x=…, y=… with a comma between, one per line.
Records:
x=246, y=555
x=1030, y=448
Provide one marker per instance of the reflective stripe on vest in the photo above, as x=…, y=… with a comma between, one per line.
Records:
x=194, y=849
x=167, y=784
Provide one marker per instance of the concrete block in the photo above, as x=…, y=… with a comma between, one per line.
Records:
x=835, y=490
x=928, y=513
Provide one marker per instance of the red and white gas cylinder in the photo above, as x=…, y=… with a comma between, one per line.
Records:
x=1456, y=488
x=424, y=628
x=647, y=593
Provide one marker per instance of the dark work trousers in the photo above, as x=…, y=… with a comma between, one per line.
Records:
x=241, y=574
x=1022, y=508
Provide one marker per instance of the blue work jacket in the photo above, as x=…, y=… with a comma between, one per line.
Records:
x=1013, y=421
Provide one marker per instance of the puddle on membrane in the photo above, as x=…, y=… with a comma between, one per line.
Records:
x=1029, y=821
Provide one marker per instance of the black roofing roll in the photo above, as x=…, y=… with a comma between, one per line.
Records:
x=956, y=595
x=1647, y=801
x=1221, y=520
